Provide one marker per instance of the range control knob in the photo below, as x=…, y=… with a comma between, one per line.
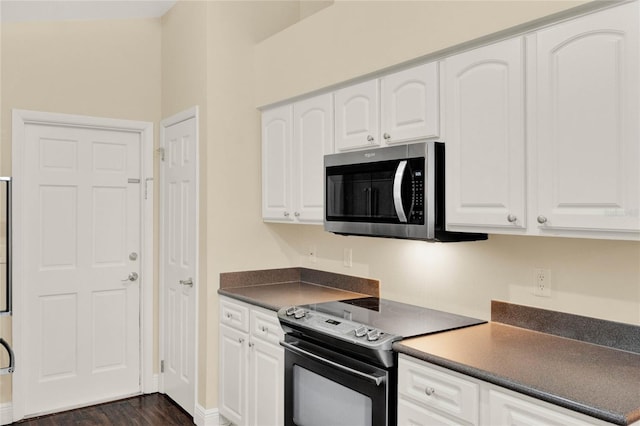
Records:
x=299, y=313
x=373, y=335
x=361, y=331
x=290, y=310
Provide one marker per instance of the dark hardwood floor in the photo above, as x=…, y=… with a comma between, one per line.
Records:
x=153, y=409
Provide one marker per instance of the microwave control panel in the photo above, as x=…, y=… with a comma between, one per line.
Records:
x=416, y=216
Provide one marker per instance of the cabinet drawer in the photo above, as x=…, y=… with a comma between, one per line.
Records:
x=265, y=326
x=435, y=388
x=416, y=415
x=234, y=314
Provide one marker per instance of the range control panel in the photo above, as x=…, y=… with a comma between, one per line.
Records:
x=344, y=329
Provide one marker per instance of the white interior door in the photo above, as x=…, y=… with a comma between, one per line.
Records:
x=179, y=259
x=81, y=242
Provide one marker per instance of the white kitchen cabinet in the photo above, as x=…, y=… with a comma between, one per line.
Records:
x=578, y=173
x=409, y=104
x=276, y=164
x=485, y=146
x=357, y=116
x=397, y=108
x=432, y=395
x=584, y=110
x=251, y=365
x=295, y=139
x=508, y=409
x=429, y=394
x=312, y=140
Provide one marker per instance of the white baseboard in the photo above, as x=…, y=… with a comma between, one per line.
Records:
x=204, y=417
x=6, y=413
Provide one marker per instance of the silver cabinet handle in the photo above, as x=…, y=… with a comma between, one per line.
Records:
x=386, y=136
x=369, y=138
x=229, y=315
x=429, y=391
x=373, y=379
x=542, y=220
x=187, y=282
x=286, y=214
x=10, y=368
x=296, y=214
x=512, y=218
x=132, y=277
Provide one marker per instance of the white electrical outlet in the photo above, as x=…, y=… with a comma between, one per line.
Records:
x=311, y=253
x=348, y=258
x=542, y=282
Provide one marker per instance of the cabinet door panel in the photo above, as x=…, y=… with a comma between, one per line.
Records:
x=313, y=138
x=357, y=116
x=484, y=96
x=233, y=370
x=507, y=410
x=267, y=384
x=587, y=122
x=409, y=104
x=276, y=171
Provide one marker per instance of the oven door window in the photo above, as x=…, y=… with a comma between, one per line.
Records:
x=318, y=401
x=324, y=388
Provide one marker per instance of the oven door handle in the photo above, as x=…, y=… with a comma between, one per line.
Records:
x=368, y=377
x=397, y=191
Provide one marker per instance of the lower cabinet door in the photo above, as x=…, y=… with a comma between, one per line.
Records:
x=266, y=387
x=232, y=371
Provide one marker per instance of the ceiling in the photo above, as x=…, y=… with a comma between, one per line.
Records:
x=57, y=10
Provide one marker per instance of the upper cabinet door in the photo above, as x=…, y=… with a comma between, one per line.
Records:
x=276, y=170
x=484, y=119
x=312, y=139
x=410, y=105
x=586, y=118
x=357, y=116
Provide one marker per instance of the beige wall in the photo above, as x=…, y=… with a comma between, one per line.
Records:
x=98, y=68
x=236, y=237
x=353, y=38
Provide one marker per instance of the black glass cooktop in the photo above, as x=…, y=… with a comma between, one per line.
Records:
x=394, y=317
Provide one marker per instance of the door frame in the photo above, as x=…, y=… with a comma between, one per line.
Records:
x=22, y=118
x=187, y=114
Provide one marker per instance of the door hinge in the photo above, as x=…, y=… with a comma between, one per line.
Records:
x=162, y=366
x=160, y=151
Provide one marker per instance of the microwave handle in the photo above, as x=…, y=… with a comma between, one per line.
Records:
x=397, y=191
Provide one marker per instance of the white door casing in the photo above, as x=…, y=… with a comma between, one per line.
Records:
x=79, y=204
x=179, y=256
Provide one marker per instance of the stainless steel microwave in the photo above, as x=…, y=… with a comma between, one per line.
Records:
x=395, y=192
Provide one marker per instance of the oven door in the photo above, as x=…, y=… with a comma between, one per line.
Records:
x=323, y=388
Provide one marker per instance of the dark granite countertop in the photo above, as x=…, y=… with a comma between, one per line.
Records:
x=276, y=288
x=596, y=380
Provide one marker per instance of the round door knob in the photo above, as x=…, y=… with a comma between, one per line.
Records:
x=296, y=214
x=512, y=218
x=386, y=136
x=542, y=220
x=370, y=138
x=429, y=391
x=286, y=214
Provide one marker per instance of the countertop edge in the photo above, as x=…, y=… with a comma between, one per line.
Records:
x=624, y=420
x=249, y=300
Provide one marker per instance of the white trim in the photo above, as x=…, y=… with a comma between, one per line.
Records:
x=211, y=417
x=20, y=118
x=192, y=112
x=6, y=413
